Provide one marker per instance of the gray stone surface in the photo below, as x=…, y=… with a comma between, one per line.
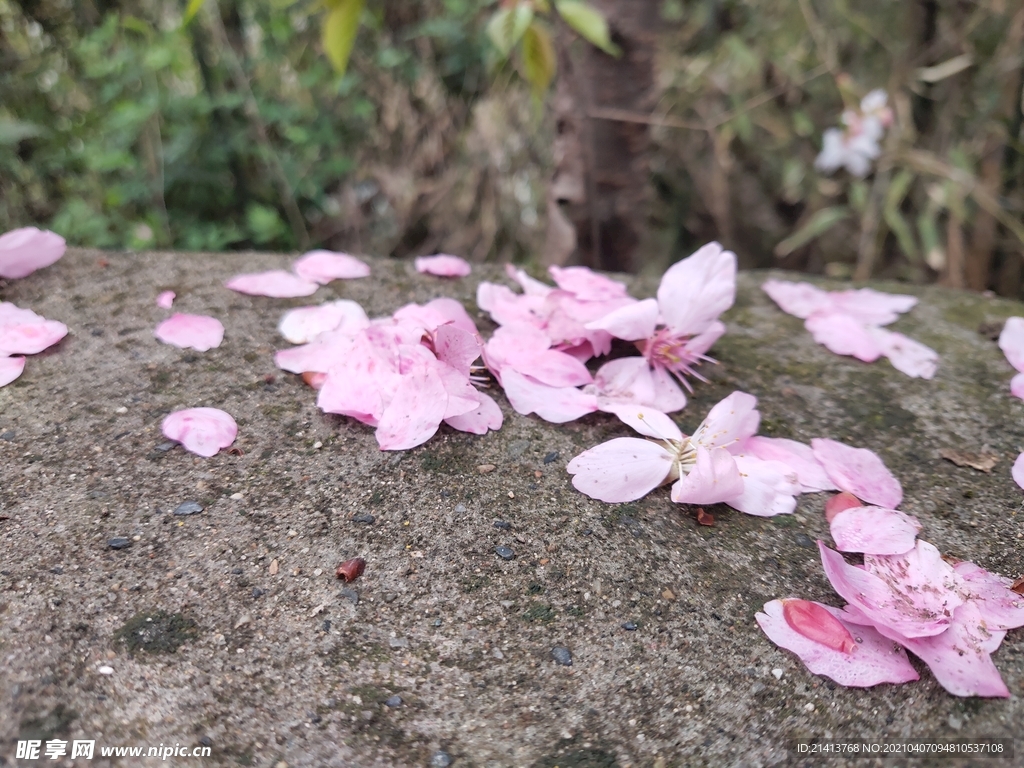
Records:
x=229, y=628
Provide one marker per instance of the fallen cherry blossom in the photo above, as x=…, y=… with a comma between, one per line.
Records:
x=275, y=283
x=10, y=369
x=23, y=332
x=874, y=530
x=852, y=655
x=202, y=431
x=324, y=266
x=23, y=251
x=165, y=300
x=799, y=457
x=443, y=265
x=1017, y=472
x=858, y=471
x=1011, y=341
x=305, y=324
x=197, y=332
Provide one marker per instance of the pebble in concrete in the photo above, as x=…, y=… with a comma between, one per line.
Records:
x=394, y=701
x=364, y=517
x=551, y=457
x=440, y=759
x=562, y=655
x=505, y=553
x=188, y=508
x=119, y=542
x=629, y=626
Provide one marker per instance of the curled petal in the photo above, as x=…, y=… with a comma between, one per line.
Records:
x=443, y=265
x=23, y=251
x=324, y=266
x=623, y=469
x=714, y=478
x=858, y=471
x=10, y=369
x=191, y=332
x=203, y=431
x=854, y=656
x=275, y=283
x=874, y=530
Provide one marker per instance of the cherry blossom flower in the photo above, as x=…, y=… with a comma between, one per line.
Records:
x=324, y=266
x=858, y=471
x=275, y=283
x=197, y=332
x=443, y=265
x=1011, y=341
x=202, y=431
x=23, y=251
x=674, y=331
x=165, y=300
x=849, y=323
x=829, y=644
x=857, y=144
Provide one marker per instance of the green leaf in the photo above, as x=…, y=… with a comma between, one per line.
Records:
x=931, y=241
x=539, y=59
x=542, y=5
x=508, y=26
x=858, y=195
x=820, y=222
x=339, y=33
x=191, y=11
x=13, y=131
x=589, y=23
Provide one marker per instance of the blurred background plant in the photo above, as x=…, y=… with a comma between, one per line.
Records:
x=123, y=127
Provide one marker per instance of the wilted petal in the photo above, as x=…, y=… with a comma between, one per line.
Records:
x=852, y=655
x=324, y=266
x=999, y=606
x=23, y=251
x=695, y=291
x=10, y=369
x=713, y=479
x=731, y=421
x=414, y=413
x=487, y=416
x=623, y=469
x=276, y=284
x=844, y=335
x=165, y=300
x=858, y=471
x=304, y=324
x=630, y=323
x=203, y=431
x=874, y=530
x=892, y=601
x=1011, y=341
x=197, y=332
x=555, y=404
x=797, y=456
x=443, y=265
x=798, y=299
x=769, y=487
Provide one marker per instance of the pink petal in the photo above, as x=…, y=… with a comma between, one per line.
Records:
x=443, y=265
x=871, y=661
x=487, y=416
x=630, y=380
x=414, y=413
x=906, y=355
x=696, y=290
x=191, y=332
x=330, y=349
x=586, y=284
x=505, y=306
x=730, y=422
x=872, y=307
x=275, y=283
x=304, y=324
x=1017, y=386
x=1018, y=471
x=23, y=251
x=456, y=347
x=462, y=396
x=769, y=487
x=713, y=479
x=623, y=469
x=631, y=322
x=1011, y=341
x=844, y=335
x=858, y=471
x=797, y=456
x=647, y=421
x=798, y=299
x=30, y=338
x=531, y=286
x=555, y=404
x=874, y=530
x=434, y=314
x=362, y=382
x=891, y=601
x=10, y=369
x=525, y=349
x=202, y=431
x=1000, y=607
x=165, y=300
x=839, y=503
x=324, y=266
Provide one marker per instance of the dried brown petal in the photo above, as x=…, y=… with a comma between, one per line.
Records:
x=352, y=569
x=705, y=518
x=983, y=462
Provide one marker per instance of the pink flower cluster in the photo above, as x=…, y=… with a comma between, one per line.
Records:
x=850, y=323
x=905, y=596
x=22, y=331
